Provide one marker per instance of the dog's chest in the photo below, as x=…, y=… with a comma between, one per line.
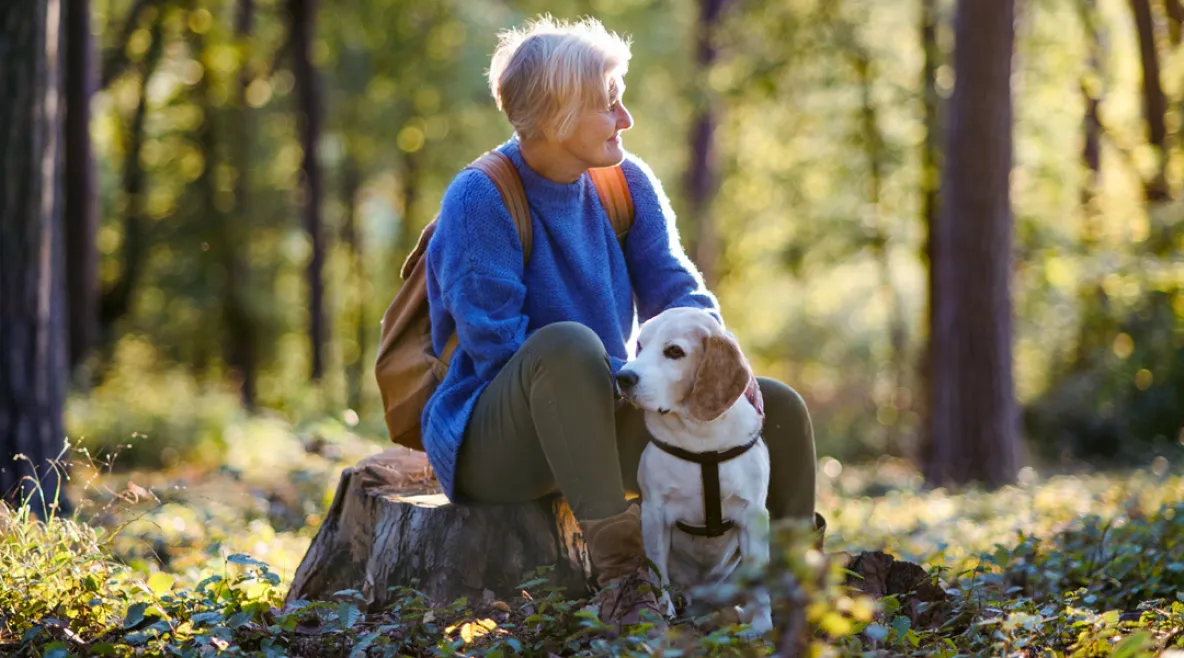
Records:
x=678, y=484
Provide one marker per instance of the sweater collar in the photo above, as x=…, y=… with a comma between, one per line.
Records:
x=545, y=195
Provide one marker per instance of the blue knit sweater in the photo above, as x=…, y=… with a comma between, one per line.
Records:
x=477, y=284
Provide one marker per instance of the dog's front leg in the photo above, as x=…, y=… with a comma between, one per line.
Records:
x=754, y=550
x=656, y=534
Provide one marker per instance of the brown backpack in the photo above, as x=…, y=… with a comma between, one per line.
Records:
x=407, y=368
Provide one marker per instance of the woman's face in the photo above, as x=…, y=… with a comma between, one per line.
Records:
x=596, y=139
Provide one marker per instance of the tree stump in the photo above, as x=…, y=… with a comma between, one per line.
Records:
x=374, y=539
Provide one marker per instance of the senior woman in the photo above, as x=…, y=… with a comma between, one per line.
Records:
x=528, y=406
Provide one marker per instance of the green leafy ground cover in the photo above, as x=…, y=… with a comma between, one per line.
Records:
x=194, y=562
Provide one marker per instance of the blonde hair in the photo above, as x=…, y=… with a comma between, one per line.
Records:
x=545, y=74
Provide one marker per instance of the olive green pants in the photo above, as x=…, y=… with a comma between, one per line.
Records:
x=550, y=421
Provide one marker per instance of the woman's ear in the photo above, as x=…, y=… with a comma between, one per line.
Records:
x=722, y=377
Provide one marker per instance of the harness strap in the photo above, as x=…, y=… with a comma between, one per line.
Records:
x=709, y=470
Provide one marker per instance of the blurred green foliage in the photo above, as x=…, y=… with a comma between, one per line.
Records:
x=824, y=284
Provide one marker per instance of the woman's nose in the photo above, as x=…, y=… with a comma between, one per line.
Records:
x=624, y=119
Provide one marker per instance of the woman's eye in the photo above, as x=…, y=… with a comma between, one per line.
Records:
x=673, y=352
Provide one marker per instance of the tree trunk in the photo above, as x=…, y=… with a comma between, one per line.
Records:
x=355, y=366
x=81, y=210
x=873, y=141
x=702, y=169
x=973, y=410
x=237, y=314
x=302, y=14
x=116, y=301
x=115, y=61
x=373, y=540
x=930, y=181
x=1154, y=102
x=33, y=342
x=1175, y=13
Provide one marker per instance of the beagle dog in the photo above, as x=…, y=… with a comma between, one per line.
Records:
x=704, y=477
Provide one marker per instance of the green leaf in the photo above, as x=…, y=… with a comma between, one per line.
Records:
x=348, y=615
x=1135, y=644
x=135, y=614
x=876, y=632
x=160, y=582
x=363, y=643
x=246, y=560
x=205, y=618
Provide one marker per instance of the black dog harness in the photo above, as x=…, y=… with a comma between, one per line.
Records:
x=709, y=469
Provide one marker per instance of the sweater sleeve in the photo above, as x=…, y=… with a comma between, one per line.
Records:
x=659, y=270
x=477, y=258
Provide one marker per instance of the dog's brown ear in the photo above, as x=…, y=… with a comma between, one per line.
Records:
x=721, y=379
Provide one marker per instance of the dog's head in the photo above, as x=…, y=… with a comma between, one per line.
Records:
x=686, y=364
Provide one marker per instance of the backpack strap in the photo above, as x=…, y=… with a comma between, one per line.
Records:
x=500, y=169
x=613, y=190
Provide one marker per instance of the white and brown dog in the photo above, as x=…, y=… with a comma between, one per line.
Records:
x=704, y=477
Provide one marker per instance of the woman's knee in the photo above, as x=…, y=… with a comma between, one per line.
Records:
x=568, y=346
x=785, y=413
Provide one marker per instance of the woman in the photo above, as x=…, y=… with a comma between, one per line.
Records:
x=528, y=406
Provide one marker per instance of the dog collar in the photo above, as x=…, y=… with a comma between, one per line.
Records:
x=709, y=470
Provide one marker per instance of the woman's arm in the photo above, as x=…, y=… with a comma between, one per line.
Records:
x=476, y=256
x=662, y=275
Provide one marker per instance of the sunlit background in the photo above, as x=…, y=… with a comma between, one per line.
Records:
x=814, y=238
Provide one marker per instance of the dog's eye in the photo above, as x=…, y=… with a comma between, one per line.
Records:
x=639, y=347
x=673, y=352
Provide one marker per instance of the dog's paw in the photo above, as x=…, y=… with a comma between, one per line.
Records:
x=762, y=621
x=666, y=604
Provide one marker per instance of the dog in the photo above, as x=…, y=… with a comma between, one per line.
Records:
x=704, y=478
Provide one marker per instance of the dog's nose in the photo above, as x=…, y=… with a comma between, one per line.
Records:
x=626, y=380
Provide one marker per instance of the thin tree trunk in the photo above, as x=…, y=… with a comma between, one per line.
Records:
x=116, y=301
x=1094, y=301
x=115, y=61
x=409, y=229
x=930, y=181
x=81, y=210
x=973, y=412
x=1091, y=90
x=355, y=366
x=33, y=339
x=1154, y=101
x=303, y=20
x=873, y=140
x=236, y=308
x=1175, y=13
x=702, y=172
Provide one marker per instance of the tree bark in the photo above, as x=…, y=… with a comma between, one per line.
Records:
x=81, y=209
x=373, y=539
x=1154, y=102
x=355, y=367
x=1175, y=14
x=973, y=410
x=115, y=61
x=302, y=14
x=873, y=141
x=33, y=342
x=238, y=318
x=116, y=300
x=702, y=169
x=930, y=181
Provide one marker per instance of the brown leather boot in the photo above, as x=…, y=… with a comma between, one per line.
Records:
x=627, y=594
